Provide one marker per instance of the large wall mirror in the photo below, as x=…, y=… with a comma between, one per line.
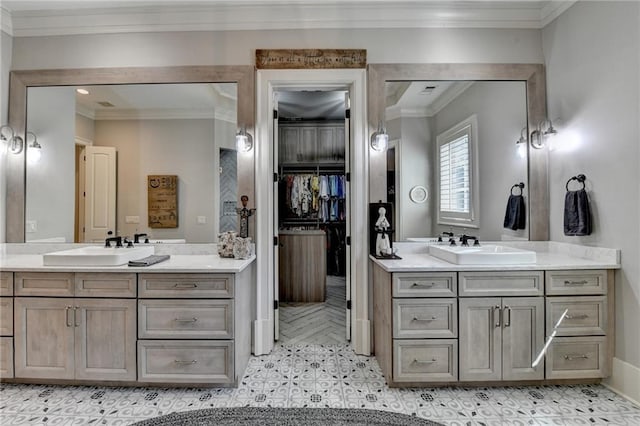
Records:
x=453, y=130
x=109, y=136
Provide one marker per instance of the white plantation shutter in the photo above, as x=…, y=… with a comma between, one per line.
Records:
x=457, y=185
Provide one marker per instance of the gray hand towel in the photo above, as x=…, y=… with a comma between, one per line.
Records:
x=577, y=213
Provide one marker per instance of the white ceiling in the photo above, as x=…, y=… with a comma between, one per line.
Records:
x=22, y=18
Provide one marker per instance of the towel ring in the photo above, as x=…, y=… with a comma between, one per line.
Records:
x=580, y=178
x=518, y=185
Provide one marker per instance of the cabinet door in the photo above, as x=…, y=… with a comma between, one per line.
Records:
x=480, y=339
x=326, y=144
x=105, y=333
x=307, y=144
x=288, y=144
x=522, y=337
x=44, y=338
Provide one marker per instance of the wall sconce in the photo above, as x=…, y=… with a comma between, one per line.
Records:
x=15, y=144
x=34, y=149
x=380, y=139
x=543, y=135
x=521, y=144
x=244, y=141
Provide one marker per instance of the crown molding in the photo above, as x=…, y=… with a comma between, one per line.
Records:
x=165, y=114
x=6, y=21
x=552, y=9
x=280, y=15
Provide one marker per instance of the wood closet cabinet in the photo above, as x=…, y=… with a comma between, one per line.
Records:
x=302, y=266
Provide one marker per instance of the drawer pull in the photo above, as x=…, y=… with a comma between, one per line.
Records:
x=507, y=319
x=583, y=282
x=194, y=319
x=415, y=361
x=75, y=317
x=185, y=285
x=182, y=362
x=496, y=317
x=422, y=285
x=581, y=316
x=575, y=357
x=66, y=313
x=424, y=319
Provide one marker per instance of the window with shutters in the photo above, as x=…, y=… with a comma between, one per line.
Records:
x=457, y=175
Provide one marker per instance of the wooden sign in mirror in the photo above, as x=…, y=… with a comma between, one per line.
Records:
x=162, y=191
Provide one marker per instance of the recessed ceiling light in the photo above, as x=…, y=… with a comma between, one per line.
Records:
x=82, y=91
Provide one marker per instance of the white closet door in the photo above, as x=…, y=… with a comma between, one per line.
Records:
x=276, y=197
x=100, y=192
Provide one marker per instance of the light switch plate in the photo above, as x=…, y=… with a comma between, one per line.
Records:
x=32, y=226
x=201, y=219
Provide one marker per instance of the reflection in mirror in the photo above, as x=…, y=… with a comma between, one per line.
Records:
x=436, y=178
x=99, y=150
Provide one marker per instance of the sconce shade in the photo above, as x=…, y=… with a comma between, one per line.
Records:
x=34, y=150
x=543, y=135
x=244, y=141
x=380, y=139
x=15, y=144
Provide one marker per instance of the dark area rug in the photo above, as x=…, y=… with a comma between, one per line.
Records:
x=259, y=416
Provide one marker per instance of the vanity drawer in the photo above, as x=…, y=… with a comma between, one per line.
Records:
x=6, y=357
x=577, y=358
x=185, y=319
x=6, y=316
x=576, y=282
x=425, y=318
x=185, y=361
x=6, y=283
x=105, y=284
x=425, y=360
x=587, y=315
x=495, y=283
x=49, y=284
x=185, y=285
x=433, y=284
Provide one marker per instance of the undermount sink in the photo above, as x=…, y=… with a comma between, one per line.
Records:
x=486, y=254
x=96, y=256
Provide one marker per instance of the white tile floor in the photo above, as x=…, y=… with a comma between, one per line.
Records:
x=299, y=374
x=319, y=376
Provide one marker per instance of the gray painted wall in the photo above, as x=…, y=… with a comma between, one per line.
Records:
x=165, y=147
x=501, y=111
x=591, y=52
x=51, y=181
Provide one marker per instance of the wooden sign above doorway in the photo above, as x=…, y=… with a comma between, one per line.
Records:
x=310, y=58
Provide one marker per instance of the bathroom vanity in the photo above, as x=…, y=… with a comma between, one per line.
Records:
x=437, y=322
x=183, y=321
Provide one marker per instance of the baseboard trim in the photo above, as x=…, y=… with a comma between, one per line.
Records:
x=625, y=380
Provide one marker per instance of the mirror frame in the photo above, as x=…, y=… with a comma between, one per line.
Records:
x=537, y=159
x=20, y=81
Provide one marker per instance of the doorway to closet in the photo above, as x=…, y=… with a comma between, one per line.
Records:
x=311, y=136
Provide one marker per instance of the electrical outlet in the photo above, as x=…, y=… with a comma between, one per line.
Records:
x=201, y=219
x=132, y=219
x=32, y=226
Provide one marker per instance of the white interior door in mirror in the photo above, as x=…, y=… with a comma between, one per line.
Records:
x=99, y=192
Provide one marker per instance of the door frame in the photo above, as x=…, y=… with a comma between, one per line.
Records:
x=267, y=82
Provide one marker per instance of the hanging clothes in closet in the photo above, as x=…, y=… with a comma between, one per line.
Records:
x=314, y=196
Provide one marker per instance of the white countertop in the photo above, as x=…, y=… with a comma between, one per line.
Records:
x=549, y=256
x=180, y=263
